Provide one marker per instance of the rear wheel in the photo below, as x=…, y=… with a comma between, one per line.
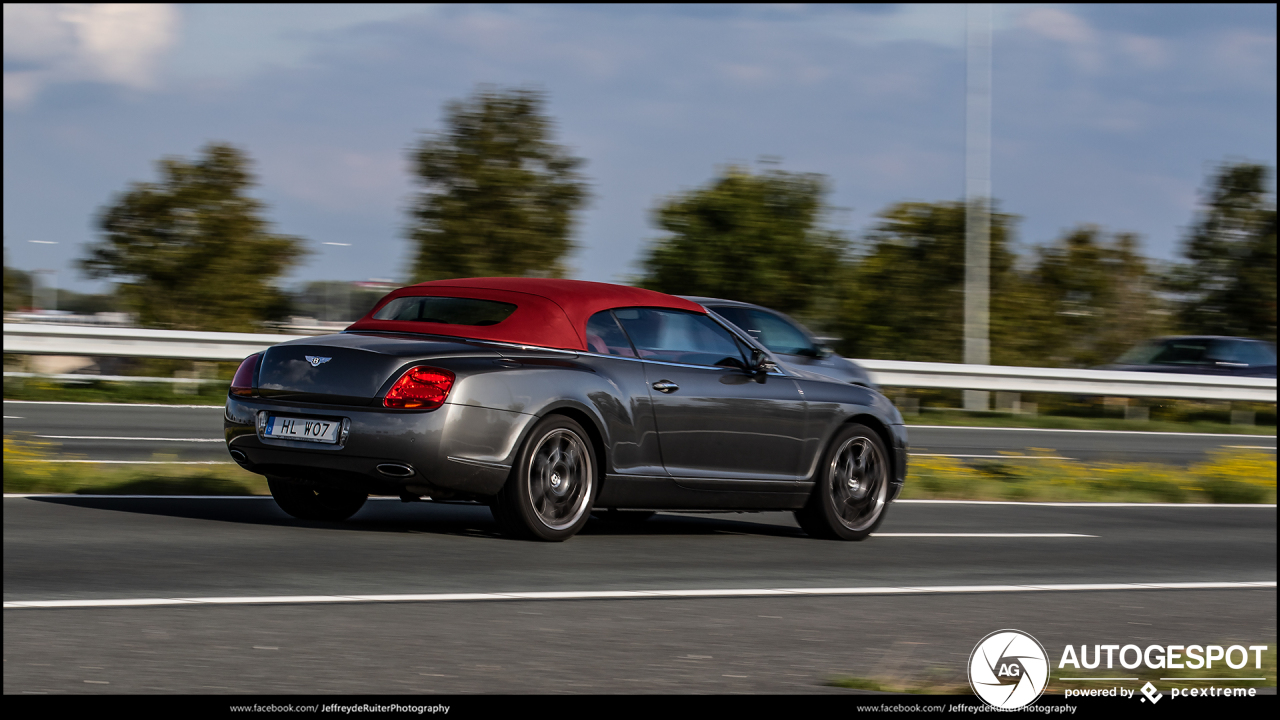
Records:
x=849, y=499
x=312, y=503
x=553, y=484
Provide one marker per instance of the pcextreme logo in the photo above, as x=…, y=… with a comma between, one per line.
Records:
x=1008, y=669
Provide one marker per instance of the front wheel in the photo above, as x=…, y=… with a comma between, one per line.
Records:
x=552, y=486
x=310, y=503
x=849, y=499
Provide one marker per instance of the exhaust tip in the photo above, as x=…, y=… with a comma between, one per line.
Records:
x=395, y=470
x=239, y=456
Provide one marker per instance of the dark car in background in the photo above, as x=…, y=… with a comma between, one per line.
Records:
x=1201, y=354
x=789, y=340
x=549, y=400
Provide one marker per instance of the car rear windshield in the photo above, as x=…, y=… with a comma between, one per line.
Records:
x=446, y=310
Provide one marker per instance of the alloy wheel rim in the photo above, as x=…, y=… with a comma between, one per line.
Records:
x=858, y=479
x=560, y=477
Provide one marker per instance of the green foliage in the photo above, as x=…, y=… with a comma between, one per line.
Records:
x=749, y=237
x=193, y=251
x=500, y=197
x=1097, y=297
x=87, y=303
x=903, y=298
x=1229, y=286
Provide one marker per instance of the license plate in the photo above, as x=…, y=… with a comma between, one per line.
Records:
x=294, y=428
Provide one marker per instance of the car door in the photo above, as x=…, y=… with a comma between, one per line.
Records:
x=715, y=420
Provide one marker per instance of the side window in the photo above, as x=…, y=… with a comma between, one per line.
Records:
x=1182, y=352
x=682, y=337
x=605, y=337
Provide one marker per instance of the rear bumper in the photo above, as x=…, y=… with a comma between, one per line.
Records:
x=454, y=451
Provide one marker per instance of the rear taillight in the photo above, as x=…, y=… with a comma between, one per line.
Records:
x=420, y=388
x=242, y=383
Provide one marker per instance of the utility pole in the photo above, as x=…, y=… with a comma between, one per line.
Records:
x=328, y=290
x=35, y=274
x=977, y=192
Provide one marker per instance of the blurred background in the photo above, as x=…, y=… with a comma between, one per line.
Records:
x=272, y=168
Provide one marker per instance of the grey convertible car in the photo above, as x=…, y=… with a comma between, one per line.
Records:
x=551, y=399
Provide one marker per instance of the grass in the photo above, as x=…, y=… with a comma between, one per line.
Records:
x=30, y=466
x=27, y=470
x=1188, y=417
x=1229, y=476
x=957, y=418
x=210, y=393
x=936, y=682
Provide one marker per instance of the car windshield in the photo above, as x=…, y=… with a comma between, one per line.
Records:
x=446, y=310
x=770, y=330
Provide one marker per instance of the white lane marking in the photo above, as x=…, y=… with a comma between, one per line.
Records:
x=148, y=439
x=624, y=594
x=1250, y=447
x=135, y=462
x=984, y=535
x=1066, y=430
x=1087, y=504
x=108, y=404
x=12, y=417
x=998, y=457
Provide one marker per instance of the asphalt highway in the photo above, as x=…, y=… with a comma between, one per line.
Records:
x=90, y=550
x=194, y=434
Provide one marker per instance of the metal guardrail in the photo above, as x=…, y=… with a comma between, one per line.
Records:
x=1115, y=383
x=43, y=339
x=48, y=339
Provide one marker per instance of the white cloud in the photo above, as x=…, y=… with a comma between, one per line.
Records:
x=1062, y=26
x=1149, y=53
x=76, y=42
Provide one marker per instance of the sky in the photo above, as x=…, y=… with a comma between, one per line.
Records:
x=1112, y=115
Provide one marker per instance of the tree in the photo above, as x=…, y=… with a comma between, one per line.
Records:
x=193, y=252
x=1098, y=295
x=500, y=198
x=1229, y=285
x=750, y=237
x=903, y=296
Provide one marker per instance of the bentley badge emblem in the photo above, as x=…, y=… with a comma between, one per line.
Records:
x=316, y=360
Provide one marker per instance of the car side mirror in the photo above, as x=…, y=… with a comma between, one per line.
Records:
x=761, y=365
x=825, y=352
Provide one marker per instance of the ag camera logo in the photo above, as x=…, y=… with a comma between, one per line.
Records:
x=1008, y=669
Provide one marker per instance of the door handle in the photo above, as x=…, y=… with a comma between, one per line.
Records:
x=665, y=386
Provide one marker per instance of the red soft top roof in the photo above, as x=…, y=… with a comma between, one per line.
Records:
x=549, y=313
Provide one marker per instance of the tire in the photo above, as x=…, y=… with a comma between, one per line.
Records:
x=552, y=485
x=851, y=495
x=311, y=503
